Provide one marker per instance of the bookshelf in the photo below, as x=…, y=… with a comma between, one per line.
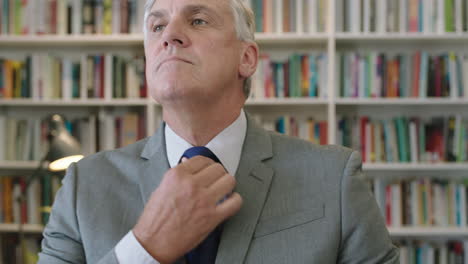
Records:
x=447, y=233
x=332, y=40
x=117, y=40
x=73, y=102
x=415, y=167
x=429, y=232
x=28, y=228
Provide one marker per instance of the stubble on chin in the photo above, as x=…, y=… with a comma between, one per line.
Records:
x=173, y=92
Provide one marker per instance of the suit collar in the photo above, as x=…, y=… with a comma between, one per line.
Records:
x=156, y=164
x=226, y=145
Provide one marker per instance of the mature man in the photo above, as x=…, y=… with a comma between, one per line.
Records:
x=243, y=195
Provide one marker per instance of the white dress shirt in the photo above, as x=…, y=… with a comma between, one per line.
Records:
x=227, y=146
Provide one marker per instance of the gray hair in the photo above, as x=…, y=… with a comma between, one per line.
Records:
x=244, y=22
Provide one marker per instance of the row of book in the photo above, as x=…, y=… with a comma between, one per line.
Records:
x=304, y=128
x=39, y=198
x=299, y=16
x=23, y=139
x=42, y=76
x=22, y=17
x=422, y=202
x=300, y=75
x=11, y=249
x=406, y=139
x=420, y=74
x=428, y=16
x=433, y=252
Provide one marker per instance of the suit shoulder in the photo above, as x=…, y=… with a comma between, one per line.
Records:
x=131, y=151
x=283, y=143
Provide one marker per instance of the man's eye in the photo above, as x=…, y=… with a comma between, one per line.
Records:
x=198, y=22
x=157, y=28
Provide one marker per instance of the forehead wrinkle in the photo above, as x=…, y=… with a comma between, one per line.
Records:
x=158, y=14
x=195, y=9
x=188, y=9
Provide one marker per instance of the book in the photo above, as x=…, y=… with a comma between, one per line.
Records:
x=449, y=16
x=98, y=16
x=355, y=15
x=88, y=17
x=312, y=16
x=124, y=16
x=129, y=129
x=381, y=17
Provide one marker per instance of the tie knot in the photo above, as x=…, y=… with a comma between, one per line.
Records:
x=200, y=151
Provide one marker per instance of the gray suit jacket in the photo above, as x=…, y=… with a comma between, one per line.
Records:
x=303, y=203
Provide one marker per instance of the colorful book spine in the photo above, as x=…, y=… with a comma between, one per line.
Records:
x=422, y=202
x=299, y=76
x=418, y=75
x=407, y=139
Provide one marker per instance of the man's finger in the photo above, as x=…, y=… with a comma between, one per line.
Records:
x=222, y=187
x=196, y=164
x=229, y=207
x=207, y=176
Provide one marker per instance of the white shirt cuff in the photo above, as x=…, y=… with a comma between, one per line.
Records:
x=129, y=251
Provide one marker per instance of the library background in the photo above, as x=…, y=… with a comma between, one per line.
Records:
x=386, y=77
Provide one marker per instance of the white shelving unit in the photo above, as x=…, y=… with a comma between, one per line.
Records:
x=415, y=166
x=18, y=165
x=28, y=228
x=292, y=101
x=74, y=102
x=331, y=42
x=429, y=232
x=402, y=101
x=72, y=40
x=406, y=232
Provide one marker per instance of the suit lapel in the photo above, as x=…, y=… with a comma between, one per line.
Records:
x=156, y=164
x=253, y=182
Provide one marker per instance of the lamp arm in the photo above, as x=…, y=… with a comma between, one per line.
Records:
x=22, y=199
x=36, y=172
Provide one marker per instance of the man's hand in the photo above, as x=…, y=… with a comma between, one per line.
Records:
x=185, y=208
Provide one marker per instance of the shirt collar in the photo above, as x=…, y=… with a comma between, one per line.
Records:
x=227, y=145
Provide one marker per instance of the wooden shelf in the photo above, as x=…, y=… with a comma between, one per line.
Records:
x=266, y=101
x=401, y=101
x=283, y=102
x=426, y=232
x=290, y=38
x=414, y=166
x=137, y=39
x=447, y=232
x=261, y=38
x=401, y=38
x=74, y=102
x=28, y=228
x=19, y=165
x=31, y=165
x=72, y=40
x=287, y=101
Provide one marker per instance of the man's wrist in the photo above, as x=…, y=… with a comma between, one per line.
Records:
x=129, y=250
x=139, y=237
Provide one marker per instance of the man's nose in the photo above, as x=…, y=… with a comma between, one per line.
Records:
x=175, y=35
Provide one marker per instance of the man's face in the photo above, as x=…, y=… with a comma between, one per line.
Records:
x=192, y=50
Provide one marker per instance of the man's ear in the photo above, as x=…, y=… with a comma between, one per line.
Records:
x=249, y=59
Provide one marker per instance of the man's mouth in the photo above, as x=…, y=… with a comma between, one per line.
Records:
x=173, y=59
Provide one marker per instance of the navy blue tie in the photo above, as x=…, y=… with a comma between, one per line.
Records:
x=205, y=252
